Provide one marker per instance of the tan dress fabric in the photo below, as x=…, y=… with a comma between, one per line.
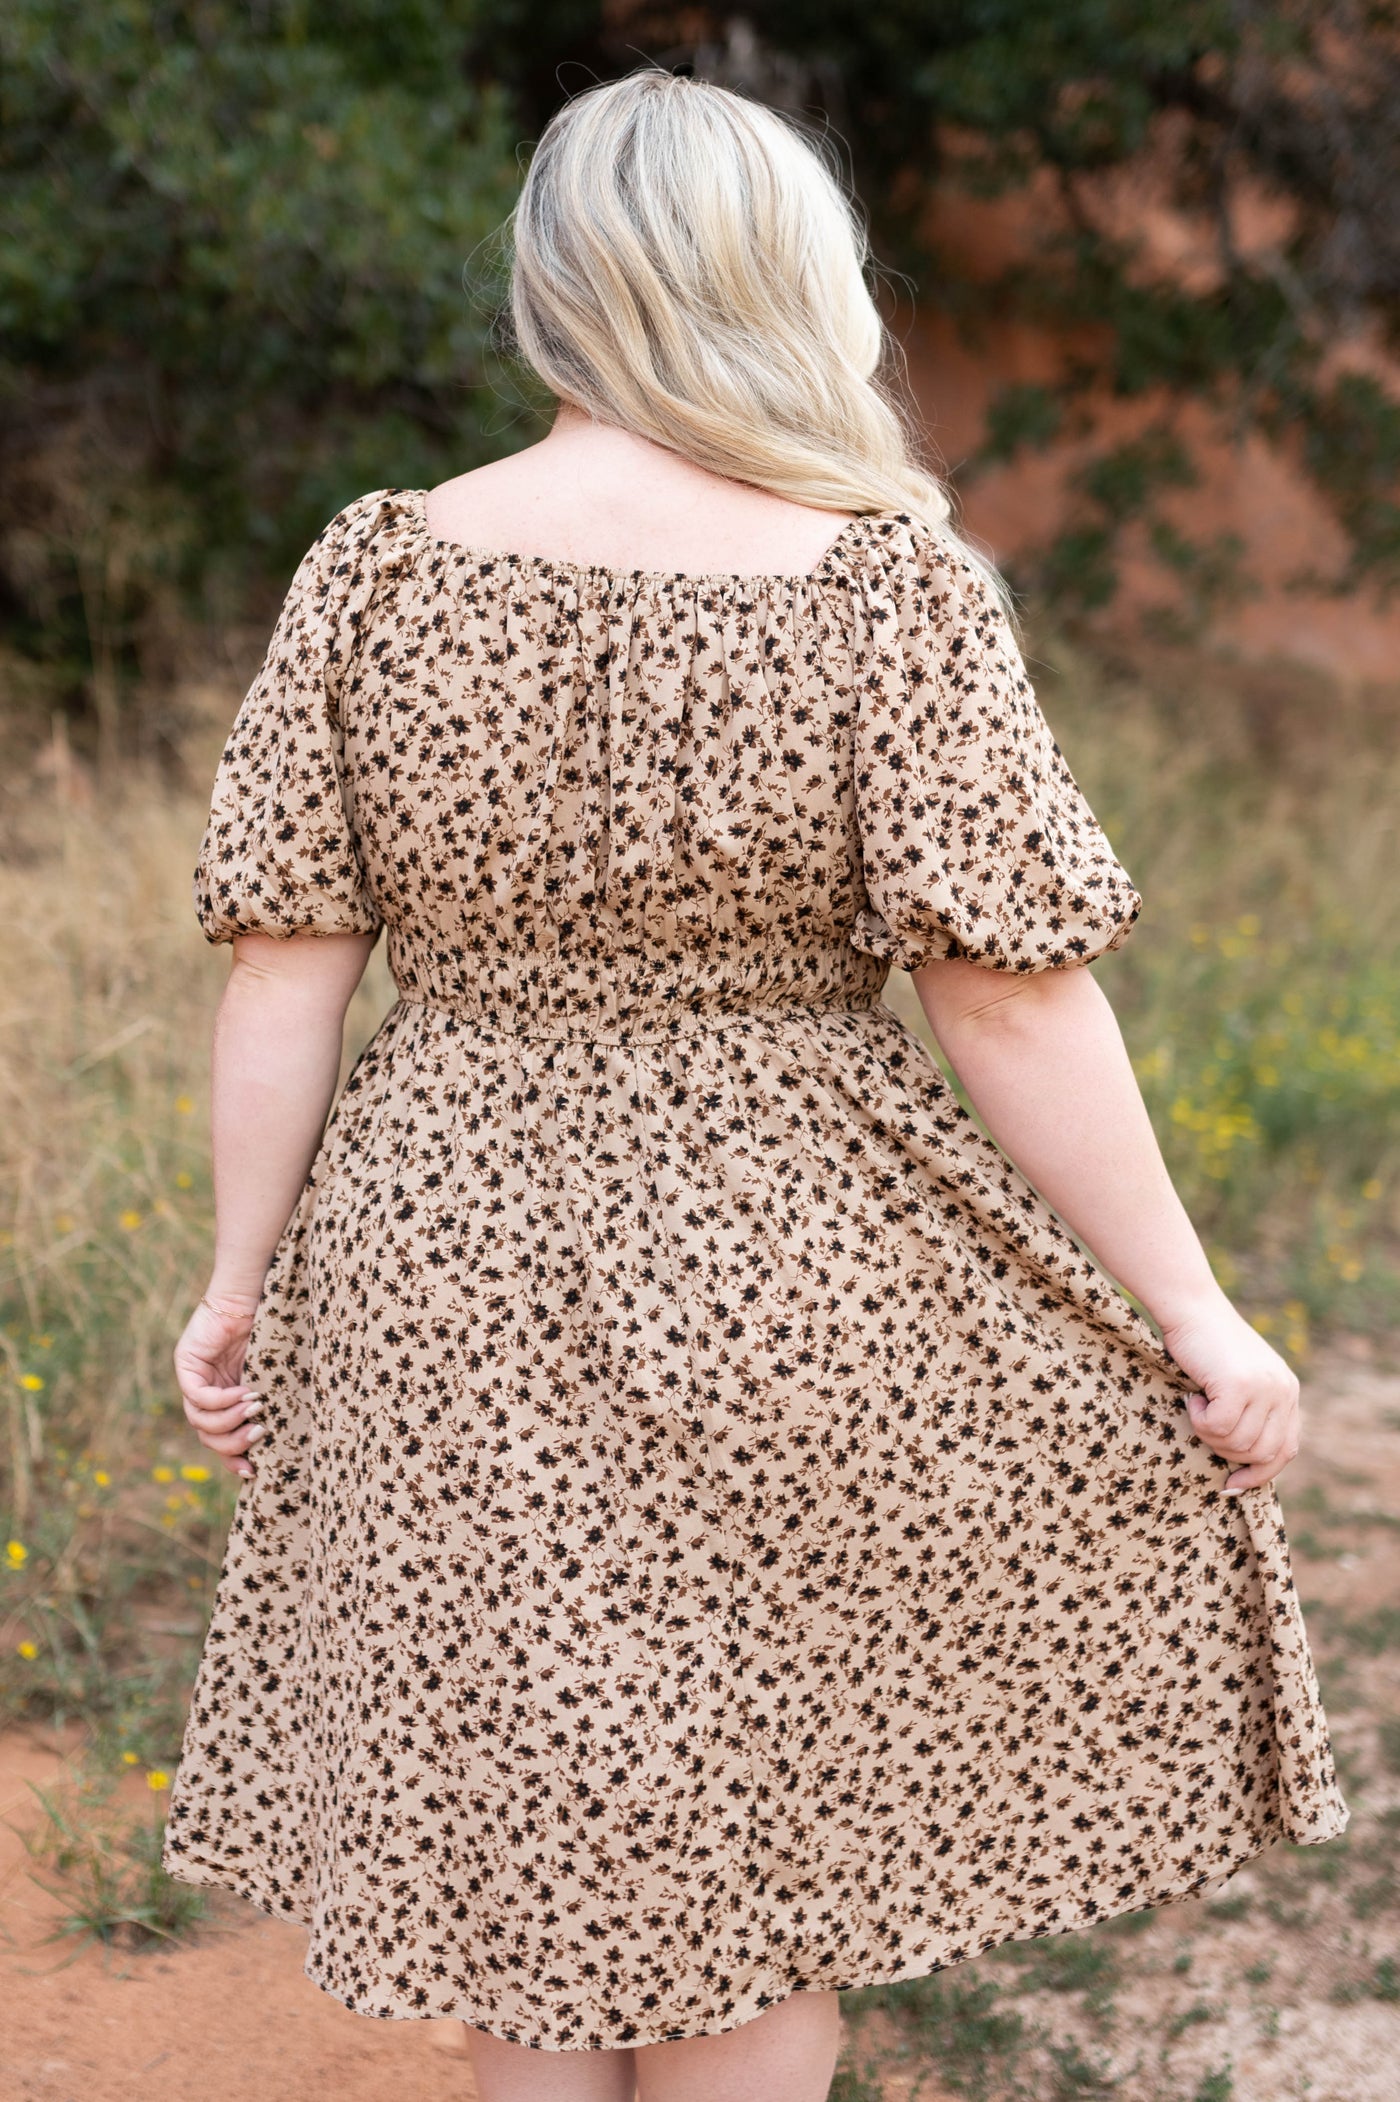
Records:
x=715, y=1535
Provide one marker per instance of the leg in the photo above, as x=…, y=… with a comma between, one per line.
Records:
x=513, y=2073
x=787, y=2054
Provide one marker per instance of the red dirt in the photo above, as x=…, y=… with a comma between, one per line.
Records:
x=227, y=2017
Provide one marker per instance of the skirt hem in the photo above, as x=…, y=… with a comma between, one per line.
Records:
x=757, y=2003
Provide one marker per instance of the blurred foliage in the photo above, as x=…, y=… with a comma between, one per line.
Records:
x=233, y=237
x=1227, y=112
x=231, y=298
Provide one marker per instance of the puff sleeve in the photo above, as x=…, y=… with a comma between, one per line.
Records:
x=279, y=853
x=975, y=839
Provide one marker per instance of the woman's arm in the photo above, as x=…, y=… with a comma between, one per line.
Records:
x=278, y=1036
x=275, y=1060
x=1044, y=1065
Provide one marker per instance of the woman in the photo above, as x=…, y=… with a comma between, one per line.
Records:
x=708, y=1537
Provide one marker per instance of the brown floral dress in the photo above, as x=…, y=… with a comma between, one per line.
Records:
x=715, y=1535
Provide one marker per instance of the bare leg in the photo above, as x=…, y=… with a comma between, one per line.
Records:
x=787, y=2054
x=513, y=2073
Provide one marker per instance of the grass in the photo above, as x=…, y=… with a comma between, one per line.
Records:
x=112, y=1516
x=102, y=1865
x=1260, y=998
x=1260, y=993
x=955, y=2025
x=1382, y=1982
x=856, y=2084
x=1064, y=1963
x=1076, y=2075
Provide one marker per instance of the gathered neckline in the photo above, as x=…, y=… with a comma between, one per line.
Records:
x=553, y=565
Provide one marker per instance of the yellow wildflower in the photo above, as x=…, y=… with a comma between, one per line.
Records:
x=1371, y=1190
x=157, y=1779
x=31, y=1382
x=184, y=1180
x=102, y=1478
x=184, y=1104
x=1295, y=1335
x=130, y=1759
x=162, y=1474
x=16, y=1553
x=195, y=1474
x=130, y=1220
x=29, y=1651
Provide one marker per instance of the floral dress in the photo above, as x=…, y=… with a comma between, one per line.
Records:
x=715, y=1536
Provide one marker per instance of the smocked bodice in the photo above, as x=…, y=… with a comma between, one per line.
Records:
x=583, y=799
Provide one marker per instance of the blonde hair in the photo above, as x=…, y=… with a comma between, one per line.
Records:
x=685, y=264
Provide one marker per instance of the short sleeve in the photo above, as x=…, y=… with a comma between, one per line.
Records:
x=975, y=838
x=279, y=853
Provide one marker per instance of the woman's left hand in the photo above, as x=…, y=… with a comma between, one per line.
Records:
x=209, y=1368
x=1248, y=1408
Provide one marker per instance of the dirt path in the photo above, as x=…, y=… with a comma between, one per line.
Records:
x=1270, y=1995
x=228, y=2017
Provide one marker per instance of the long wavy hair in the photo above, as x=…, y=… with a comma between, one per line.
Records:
x=688, y=264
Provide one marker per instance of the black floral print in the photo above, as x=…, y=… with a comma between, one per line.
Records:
x=715, y=1535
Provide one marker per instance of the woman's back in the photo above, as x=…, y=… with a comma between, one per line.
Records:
x=716, y=1537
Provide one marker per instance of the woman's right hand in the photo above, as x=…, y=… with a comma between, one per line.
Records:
x=1248, y=1408
x=209, y=1360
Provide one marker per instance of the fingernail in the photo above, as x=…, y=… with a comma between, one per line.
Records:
x=250, y=1408
x=246, y=1473
x=250, y=1394
x=256, y=1432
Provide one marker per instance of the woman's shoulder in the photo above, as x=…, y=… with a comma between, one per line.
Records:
x=370, y=522
x=900, y=541
x=368, y=539
x=936, y=578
